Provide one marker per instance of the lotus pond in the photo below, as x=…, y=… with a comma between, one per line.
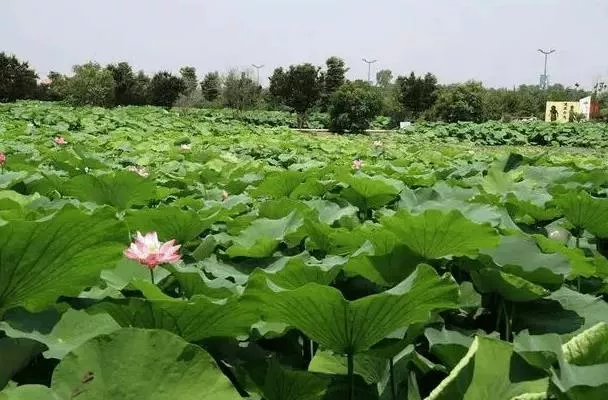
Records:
x=148, y=254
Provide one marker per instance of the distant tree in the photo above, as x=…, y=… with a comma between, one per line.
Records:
x=165, y=88
x=298, y=88
x=91, y=85
x=240, y=92
x=417, y=94
x=140, y=92
x=54, y=87
x=353, y=107
x=332, y=78
x=460, y=102
x=124, y=83
x=211, y=86
x=190, y=79
x=384, y=78
x=17, y=80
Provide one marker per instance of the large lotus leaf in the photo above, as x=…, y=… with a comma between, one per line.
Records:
x=565, y=311
x=30, y=392
x=541, y=351
x=73, y=329
x=279, y=184
x=40, y=261
x=449, y=346
x=169, y=222
x=330, y=212
x=589, y=347
x=9, y=178
x=385, y=269
x=485, y=372
x=121, y=190
x=585, y=211
x=581, y=265
x=434, y=234
x=195, y=319
x=509, y=286
x=345, y=242
x=343, y=326
x=263, y=236
x=193, y=281
x=367, y=192
x=141, y=364
x=521, y=256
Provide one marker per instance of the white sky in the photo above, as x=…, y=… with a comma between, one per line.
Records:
x=490, y=40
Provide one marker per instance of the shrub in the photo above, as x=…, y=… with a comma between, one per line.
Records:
x=353, y=107
x=91, y=85
x=165, y=89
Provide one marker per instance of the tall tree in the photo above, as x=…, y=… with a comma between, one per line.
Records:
x=298, y=88
x=211, y=86
x=165, y=88
x=332, y=78
x=241, y=92
x=353, y=106
x=190, y=79
x=17, y=80
x=384, y=78
x=140, y=91
x=460, y=102
x=124, y=82
x=417, y=94
x=91, y=85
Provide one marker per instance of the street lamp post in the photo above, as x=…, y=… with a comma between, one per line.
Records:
x=544, y=81
x=258, y=67
x=369, y=69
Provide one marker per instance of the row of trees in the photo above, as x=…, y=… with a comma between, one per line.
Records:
x=300, y=88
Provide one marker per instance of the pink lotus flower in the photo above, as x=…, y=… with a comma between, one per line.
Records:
x=60, y=140
x=149, y=251
x=357, y=164
x=2, y=159
x=224, y=195
x=185, y=147
x=141, y=171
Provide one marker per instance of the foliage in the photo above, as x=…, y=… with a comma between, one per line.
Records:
x=188, y=75
x=211, y=86
x=353, y=107
x=124, y=83
x=460, y=102
x=384, y=78
x=165, y=88
x=91, y=85
x=240, y=92
x=332, y=79
x=299, y=87
x=17, y=80
x=439, y=271
x=417, y=94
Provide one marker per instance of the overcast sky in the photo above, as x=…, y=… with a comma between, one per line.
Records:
x=494, y=41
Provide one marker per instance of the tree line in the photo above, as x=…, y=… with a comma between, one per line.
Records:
x=298, y=88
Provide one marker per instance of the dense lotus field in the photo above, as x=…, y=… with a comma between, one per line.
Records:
x=146, y=254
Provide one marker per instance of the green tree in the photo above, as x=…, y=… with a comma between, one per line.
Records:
x=211, y=86
x=384, y=78
x=140, y=92
x=165, y=88
x=332, y=78
x=353, y=107
x=460, y=102
x=416, y=94
x=91, y=85
x=240, y=92
x=124, y=83
x=190, y=79
x=17, y=80
x=298, y=88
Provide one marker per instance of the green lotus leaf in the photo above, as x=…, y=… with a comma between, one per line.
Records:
x=40, y=261
x=449, y=346
x=367, y=192
x=434, y=234
x=121, y=190
x=345, y=327
x=286, y=384
x=73, y=329
x=485, y=373
x=169, y=222
x=586, y=212
x=589, y=347
x=30, y=392
x=279, y=184
x=16, y=354
x=162, y=366
x=510, y=287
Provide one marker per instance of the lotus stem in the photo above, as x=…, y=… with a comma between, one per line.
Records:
x=499, y=315
x=507, y=321
x=351, y=376
x=393, y=383
x=152, y=275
